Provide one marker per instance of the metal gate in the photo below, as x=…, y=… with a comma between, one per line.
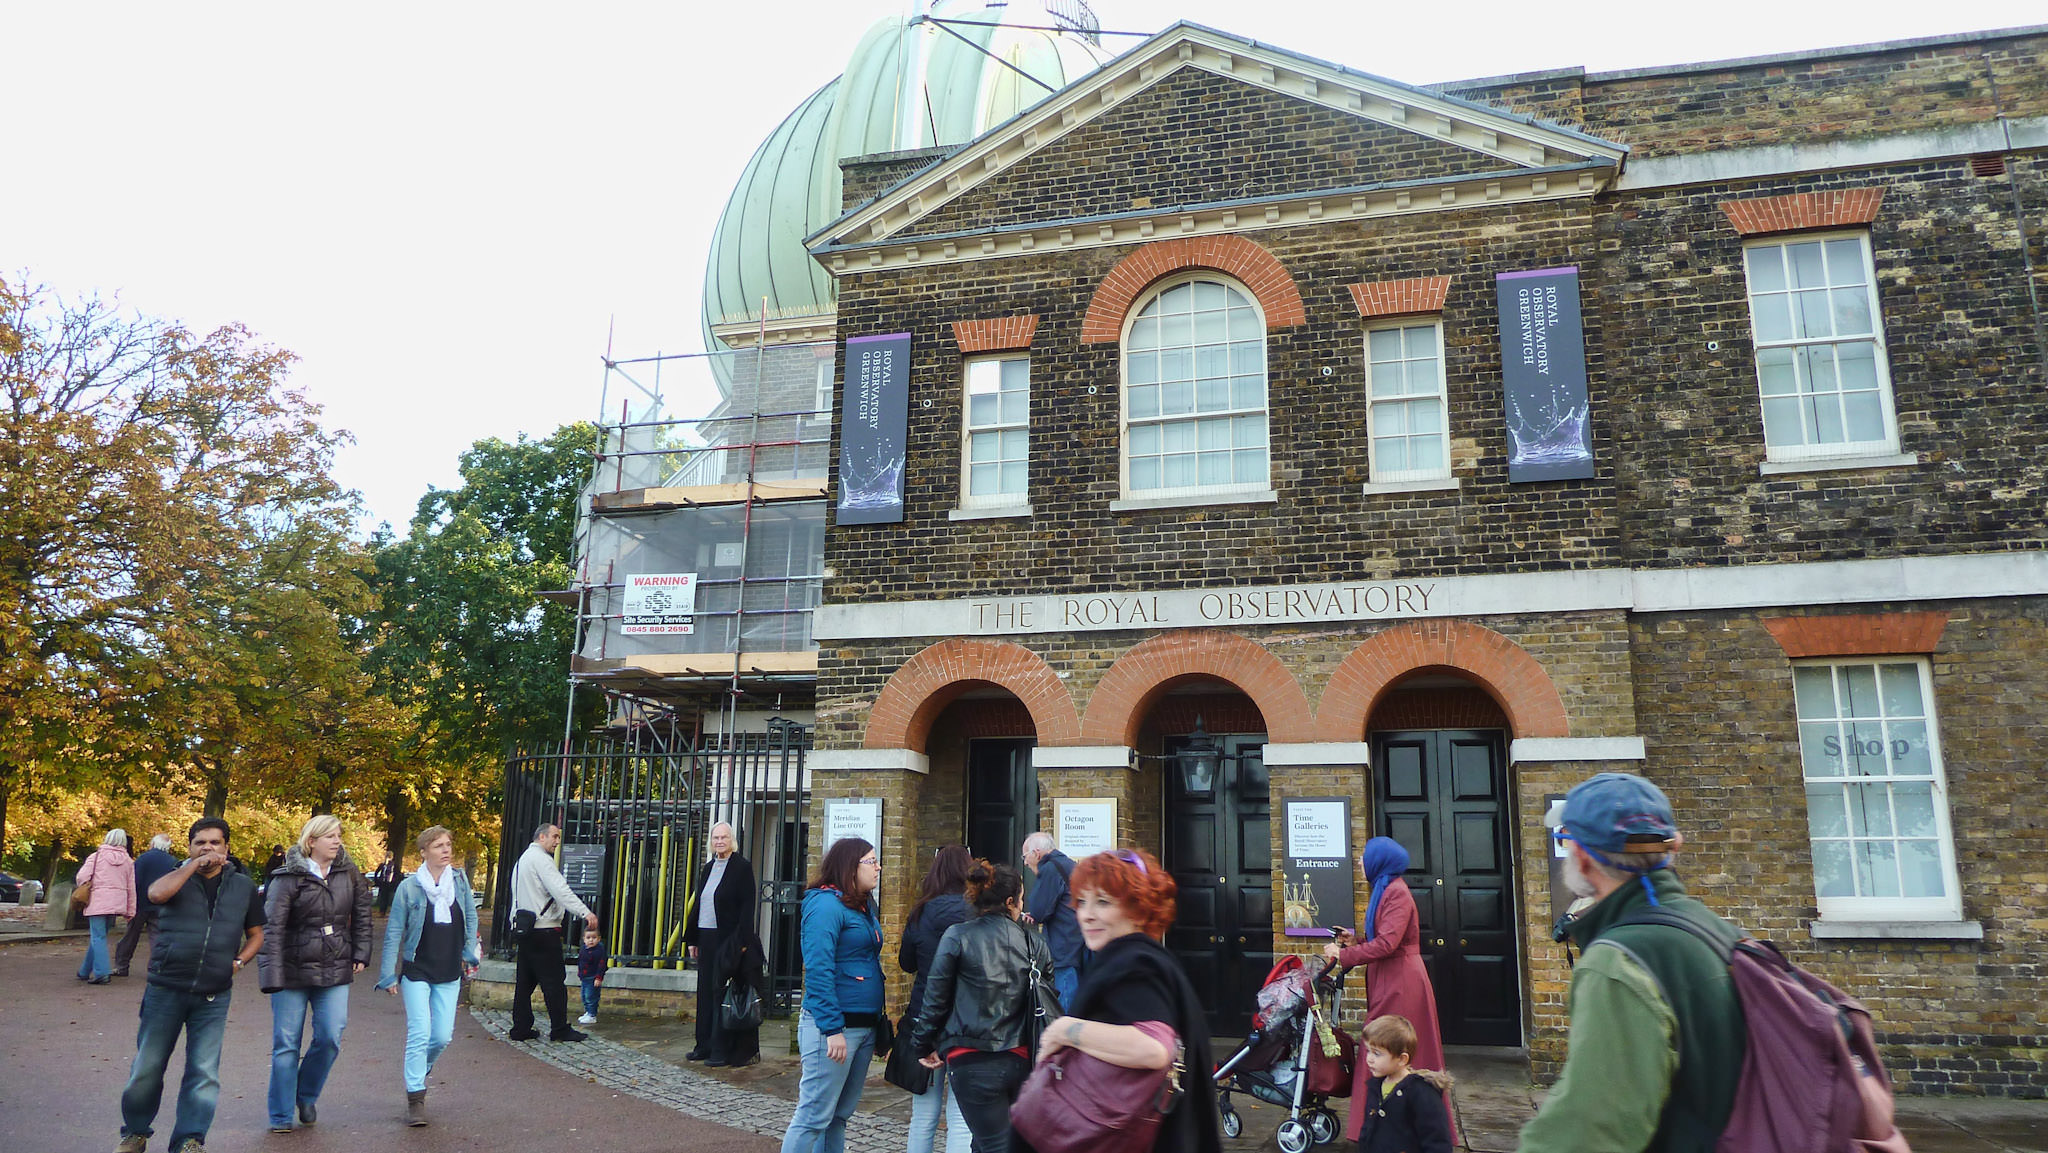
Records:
x=636, y=815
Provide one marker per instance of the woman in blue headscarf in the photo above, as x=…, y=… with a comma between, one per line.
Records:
x=1390, y=948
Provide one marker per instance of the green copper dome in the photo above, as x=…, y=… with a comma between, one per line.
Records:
x=908, y=85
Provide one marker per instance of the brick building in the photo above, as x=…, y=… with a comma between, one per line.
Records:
x=1227, y=410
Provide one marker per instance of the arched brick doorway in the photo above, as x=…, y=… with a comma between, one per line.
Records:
x=1212, y=833
x=1438, y=702
x=975, y=708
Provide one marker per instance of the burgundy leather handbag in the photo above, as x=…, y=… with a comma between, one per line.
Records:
x=1075, y=1103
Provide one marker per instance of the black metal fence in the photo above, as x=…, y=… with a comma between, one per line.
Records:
x=636, y=815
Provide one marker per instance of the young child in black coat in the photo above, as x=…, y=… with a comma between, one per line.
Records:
x=1406, y=1110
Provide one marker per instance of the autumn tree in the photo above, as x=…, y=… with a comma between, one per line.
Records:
x=267, y=683
x=464, y=640
x=133, y=454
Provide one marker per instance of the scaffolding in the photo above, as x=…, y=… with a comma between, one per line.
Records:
x=710, y=475
x=711, y=466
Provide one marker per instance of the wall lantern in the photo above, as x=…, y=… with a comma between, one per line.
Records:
x=1200, y=759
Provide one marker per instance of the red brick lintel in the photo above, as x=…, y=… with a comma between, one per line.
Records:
x=1400, y=297
x=1837, y=209
x=1850, y=635
x=1001, y=334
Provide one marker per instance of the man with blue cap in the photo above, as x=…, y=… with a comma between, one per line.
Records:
x=1657, y=1033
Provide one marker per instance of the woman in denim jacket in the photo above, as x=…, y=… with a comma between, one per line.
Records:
x=430, y=945
x=842, y=945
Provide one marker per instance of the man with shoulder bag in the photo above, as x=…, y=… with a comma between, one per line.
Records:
x=540, y=896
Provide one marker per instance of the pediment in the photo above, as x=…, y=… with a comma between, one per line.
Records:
x=1508, y=157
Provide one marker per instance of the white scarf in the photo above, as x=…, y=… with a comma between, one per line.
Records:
x=441, y=896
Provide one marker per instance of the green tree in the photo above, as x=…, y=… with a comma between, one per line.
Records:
x=132, y=455
x=465, y=641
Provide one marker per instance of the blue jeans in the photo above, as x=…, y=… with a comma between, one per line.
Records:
x=829, y=1090
x=924, y=1117
x=591, y=991
x=165, y=1014
x=96, y=965
x=296, y=1080
x=1066, y=982
x=429, y=1026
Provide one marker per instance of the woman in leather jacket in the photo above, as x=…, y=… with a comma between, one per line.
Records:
x=978, y=1003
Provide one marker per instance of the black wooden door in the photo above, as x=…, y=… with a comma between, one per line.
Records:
x=1002, y=799
x=1219, y=849
x=1444, y=795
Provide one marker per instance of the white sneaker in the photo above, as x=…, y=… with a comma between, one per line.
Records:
x=586, y=1019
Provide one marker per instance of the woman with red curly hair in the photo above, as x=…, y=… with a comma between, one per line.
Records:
x=1124, y=901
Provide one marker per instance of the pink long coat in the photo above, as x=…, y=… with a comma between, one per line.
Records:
x=112, y=874
x=1395, y=982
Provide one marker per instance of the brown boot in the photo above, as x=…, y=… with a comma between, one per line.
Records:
x=416, y=1107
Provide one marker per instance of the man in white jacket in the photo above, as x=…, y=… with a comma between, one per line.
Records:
x=538, y=887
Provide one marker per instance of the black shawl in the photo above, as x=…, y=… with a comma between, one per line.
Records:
x=1136, y=961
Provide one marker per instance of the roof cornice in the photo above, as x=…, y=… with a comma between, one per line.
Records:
x=1358, y=203
x=1516, y=140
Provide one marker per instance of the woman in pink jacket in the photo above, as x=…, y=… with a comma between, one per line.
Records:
x=1390, y=948
x=112, y=874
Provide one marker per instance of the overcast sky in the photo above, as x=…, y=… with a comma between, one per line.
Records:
x=443, y=209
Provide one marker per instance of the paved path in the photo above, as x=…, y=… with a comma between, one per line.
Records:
x=65, y=1049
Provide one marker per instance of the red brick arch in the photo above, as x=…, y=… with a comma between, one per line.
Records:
x=1257, y=269
x=903, y=712
x=1504, y=668
x=1117, y=708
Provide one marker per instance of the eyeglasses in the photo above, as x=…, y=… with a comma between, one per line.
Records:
x=1130, y=857
x=870, y=861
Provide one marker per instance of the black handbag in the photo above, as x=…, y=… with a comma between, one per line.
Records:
x=904, y=1070
x=885, y=1034
x=1044, y=1004
x=741, y=1009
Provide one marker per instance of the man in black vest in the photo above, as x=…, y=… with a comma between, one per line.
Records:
x=724, y=905
x=209, y=925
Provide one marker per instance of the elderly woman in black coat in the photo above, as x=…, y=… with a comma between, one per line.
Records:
x=315, y=940
x=722, y=911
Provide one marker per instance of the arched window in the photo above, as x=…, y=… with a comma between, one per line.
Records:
x=1194, y=392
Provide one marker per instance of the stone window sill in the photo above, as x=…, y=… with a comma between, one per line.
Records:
x=1192, y=500
x=1838, y=463
x=993, y=512
x=1897, y=931
x=1441, y=484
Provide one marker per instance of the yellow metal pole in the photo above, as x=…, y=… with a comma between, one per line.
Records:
x=661, y=901
x=618, y=897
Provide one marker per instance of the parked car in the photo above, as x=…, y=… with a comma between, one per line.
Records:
x=10, y=889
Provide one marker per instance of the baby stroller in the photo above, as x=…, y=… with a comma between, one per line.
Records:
x=1285, y=1062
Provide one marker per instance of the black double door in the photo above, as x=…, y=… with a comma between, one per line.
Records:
x=1443, y=794
x=1219, y=849
x=1002, y=799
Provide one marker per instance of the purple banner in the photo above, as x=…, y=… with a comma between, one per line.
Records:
x=1543, y=369
x=874, y=415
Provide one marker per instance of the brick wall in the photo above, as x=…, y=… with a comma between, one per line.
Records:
x=1584, y=656
x=1678, y=440
x=1322, y=528
x=1715, y=693
x=862, y=177
x=1966, y=379
x=1787, y=101
x=1197, y=137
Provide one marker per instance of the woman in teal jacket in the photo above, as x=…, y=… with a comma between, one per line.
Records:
x=843, y=995
x=430, y=945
